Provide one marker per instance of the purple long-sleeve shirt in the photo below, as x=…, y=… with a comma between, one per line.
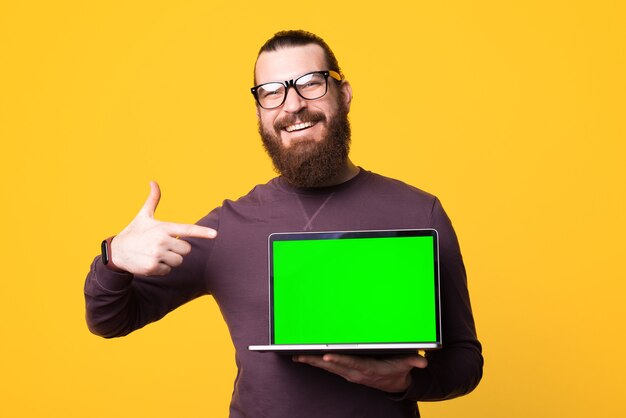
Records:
x=233, y=268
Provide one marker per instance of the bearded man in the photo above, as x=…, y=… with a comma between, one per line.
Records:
x=152, y=267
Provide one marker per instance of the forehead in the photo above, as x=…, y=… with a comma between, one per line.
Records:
x=288, y=63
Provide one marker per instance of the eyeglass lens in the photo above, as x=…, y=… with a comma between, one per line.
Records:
x=309, y=86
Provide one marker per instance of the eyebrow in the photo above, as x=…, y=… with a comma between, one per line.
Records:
x=288, y=79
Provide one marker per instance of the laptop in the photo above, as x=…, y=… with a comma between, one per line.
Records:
x=353, y=292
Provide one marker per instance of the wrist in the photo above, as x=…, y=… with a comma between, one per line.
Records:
x=107, y=256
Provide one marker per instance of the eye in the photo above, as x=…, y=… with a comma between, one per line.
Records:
x=310, y=81
x=270, y=90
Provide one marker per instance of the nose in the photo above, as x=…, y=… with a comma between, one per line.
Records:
x=293, y=102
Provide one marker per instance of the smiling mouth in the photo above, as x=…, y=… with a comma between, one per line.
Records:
x=299, y=126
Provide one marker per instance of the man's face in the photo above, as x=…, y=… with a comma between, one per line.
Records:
x=308, y=140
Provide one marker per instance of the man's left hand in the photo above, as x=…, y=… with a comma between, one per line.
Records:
x=388, y=374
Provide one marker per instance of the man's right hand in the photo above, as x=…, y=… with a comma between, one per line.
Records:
x=151, y=248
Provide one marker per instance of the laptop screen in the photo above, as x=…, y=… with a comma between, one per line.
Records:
x=354, y=287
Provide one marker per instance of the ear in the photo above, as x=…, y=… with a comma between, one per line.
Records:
x=346, y=92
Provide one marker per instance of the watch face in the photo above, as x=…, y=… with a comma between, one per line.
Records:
x=105, y=252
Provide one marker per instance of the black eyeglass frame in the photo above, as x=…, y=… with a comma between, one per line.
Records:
x=292, y=83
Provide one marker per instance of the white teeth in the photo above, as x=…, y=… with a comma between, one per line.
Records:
x=299, y=126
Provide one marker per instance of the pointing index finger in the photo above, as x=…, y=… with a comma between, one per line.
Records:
x=190, y=231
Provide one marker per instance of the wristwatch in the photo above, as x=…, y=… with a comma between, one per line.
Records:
x=105, y=247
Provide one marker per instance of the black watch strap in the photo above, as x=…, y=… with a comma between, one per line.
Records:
x=105, y=247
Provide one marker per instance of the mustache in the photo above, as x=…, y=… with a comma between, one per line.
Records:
x=301, y=117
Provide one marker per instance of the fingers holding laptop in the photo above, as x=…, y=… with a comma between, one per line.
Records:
x=388, y=374
x=151, y=247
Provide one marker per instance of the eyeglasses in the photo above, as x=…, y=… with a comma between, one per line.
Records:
x=310, y=86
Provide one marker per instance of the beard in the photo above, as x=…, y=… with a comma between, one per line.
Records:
x=310, y=163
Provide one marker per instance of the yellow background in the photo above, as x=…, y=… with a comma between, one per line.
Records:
x=512, y=112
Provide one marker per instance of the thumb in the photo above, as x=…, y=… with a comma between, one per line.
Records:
x=416, y=361
x=152, y=202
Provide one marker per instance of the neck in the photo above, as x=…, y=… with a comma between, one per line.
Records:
x=347, y=172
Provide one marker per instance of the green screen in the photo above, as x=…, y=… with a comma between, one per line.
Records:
x=354, y=290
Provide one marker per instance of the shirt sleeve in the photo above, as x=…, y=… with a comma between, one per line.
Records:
x=456, y=368
x=119, y=303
